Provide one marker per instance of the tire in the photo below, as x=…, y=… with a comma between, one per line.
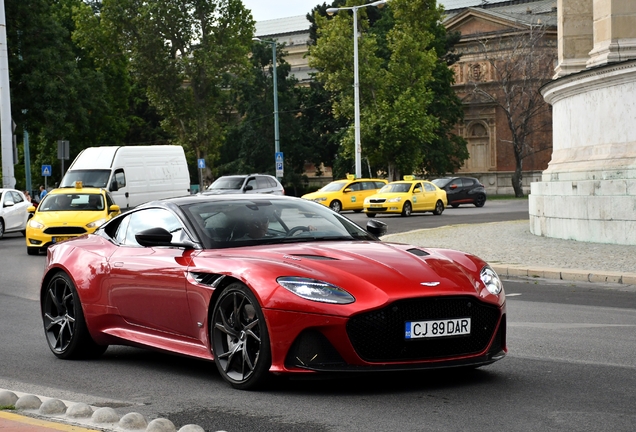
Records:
x=454, y=205
x=64, y=325
x=439, y=208
x=1, y=228
x=336, y=206
x=33, y=250
x=240, y=345
x=480, y=201
x=407, y=209
x=357, y=211
x=370, y=215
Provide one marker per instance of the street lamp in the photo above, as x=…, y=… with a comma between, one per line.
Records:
x=356, y=83
x=276, y=136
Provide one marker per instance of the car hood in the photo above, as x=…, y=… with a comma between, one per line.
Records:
x=70, y=218
x=370, y=271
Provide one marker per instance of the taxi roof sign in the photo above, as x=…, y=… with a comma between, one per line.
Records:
x=78, y=184
x=351, y=176
x=409, y=177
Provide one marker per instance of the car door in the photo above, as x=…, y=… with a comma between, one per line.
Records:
x=251, y=186
x=454, y=190
x=148, y=284
x=419, y=197
x=11, y=211
x=431, y=195
x=353, y=196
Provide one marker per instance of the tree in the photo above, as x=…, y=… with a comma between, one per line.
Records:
x=404, y=84
x=188, y=55
x=521, y=63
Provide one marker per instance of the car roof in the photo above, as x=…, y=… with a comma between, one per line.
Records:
x=86, y=190
x=194, y=199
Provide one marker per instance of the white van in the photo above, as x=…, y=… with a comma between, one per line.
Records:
x=134, y=175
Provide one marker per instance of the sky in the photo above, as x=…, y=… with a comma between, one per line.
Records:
x=271, y=9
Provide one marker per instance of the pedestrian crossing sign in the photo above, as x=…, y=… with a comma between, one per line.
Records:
x=46, y=170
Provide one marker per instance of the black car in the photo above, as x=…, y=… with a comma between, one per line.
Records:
x=462, y=190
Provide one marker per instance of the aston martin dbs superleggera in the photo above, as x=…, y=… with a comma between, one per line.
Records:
x=267, y=285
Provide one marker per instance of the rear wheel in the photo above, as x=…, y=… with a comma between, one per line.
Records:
x=370, y=215
x=336, y=206
x=33, y=250
x=239, y=337
x=407, y=209
x=439, y=208
x=480, y=201
x=64, y=324
x=1, y=228
x=454, y=205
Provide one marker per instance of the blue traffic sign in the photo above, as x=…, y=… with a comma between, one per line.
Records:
x=201, y=163
x=46, y=170
x=279, y=157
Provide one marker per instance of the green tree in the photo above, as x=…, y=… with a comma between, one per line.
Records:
x=408, y=108
x=189, y=56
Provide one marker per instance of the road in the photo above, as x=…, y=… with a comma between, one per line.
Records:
x=570, y=368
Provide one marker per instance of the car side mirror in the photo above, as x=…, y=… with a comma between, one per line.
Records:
x=114, y=209
x=113, y=186
x=347, y=190
x=9, y=203
x=453, y=186
x=248, y=188
x=376, y=227
x=417, y=190
x=157, y=236
x=31, y=209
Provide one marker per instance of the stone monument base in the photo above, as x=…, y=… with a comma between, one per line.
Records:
x=588, y=192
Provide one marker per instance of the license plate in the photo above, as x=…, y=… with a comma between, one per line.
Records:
x=61, y=238
x=376, y=205
x=437, y=328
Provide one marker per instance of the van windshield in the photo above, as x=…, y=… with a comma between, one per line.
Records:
x=89, y=178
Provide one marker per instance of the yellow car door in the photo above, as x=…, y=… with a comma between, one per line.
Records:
x=418, y=196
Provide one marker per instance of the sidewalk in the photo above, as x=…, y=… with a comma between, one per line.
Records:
x=512, y=250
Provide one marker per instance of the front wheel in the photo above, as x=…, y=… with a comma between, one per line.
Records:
x=336, y=206
x=370, y=215
x=480, y=201
x=407, y=209
x=1, y=228
x=239, y=337
x=33, y=250
x=439, y=208
x=64, y=324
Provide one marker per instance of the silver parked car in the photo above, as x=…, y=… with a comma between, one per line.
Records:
x=246, y=183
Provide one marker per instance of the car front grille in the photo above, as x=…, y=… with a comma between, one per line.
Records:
x=379, y=335
x=377, y=200
x=65, y=230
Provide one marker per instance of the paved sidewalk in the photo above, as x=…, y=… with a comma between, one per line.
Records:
x=512, y=250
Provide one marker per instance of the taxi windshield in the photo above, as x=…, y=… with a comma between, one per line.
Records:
x=396, y=188
x=72, y=202
x=333, y=187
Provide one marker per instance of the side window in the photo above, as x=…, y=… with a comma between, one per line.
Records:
x=151, y=218
x=379, y=185
x=467, y=182
x=429, y=187
x=355, y=186
x=262, y=182
x=456, y=182
x=120, y=178
x=120, y=234
x=272, y=182
x=17, y=198
x=252, y=182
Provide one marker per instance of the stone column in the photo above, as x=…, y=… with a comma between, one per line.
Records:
x=614, y=32
x=575, y=35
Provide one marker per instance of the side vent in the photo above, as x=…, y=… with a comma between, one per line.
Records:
x=316, y=257
x=209, y=279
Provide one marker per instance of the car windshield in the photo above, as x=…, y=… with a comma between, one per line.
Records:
x=440, y=182
x=89, y=178
x=71, y=202
x=396, y=188
x=227, y=183
x=332, y=187
x=232, y=223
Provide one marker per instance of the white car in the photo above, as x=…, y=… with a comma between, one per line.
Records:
x=13, y=211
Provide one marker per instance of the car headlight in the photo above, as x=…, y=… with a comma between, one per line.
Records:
x=315, y=290
x=321, y=199
x=97, y=223
x=35, y=224
x=367, y=201
x=396, y=199
x=491, y=280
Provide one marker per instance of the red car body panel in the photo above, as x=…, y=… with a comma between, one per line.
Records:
x=148, y=297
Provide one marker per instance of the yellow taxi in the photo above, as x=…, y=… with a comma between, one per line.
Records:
x=68, y=212
x=348, y=194
x=406, y=197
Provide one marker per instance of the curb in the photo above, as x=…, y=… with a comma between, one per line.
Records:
x=36, y=411
x=574, y=275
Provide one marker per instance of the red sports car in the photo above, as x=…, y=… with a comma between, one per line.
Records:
x=267, y=285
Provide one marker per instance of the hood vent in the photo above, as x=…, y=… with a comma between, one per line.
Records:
x=418, y=252
x=315, y=257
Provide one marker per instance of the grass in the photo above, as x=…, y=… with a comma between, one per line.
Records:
x=506, y=197
x=7, y=407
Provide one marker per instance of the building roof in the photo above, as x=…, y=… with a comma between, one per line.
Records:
x=523, y=12
x=281, y=26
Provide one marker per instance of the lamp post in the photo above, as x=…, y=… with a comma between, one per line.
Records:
x=356, y=80
x=276, y=134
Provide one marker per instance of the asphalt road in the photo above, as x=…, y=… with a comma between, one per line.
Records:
x=570, y=368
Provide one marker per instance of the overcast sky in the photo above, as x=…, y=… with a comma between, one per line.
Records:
x=271, y=9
